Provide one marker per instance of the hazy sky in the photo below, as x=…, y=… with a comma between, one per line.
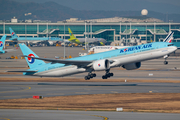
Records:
x=174, y=2
x=163, y=6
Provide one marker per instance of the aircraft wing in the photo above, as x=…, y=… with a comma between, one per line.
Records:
x=66, y=62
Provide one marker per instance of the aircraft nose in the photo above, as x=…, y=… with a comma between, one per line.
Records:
x=173, y=48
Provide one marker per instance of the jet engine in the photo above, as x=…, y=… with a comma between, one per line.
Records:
x=101, y=65
x=132, y=66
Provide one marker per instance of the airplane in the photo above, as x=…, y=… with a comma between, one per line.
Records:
x=97, y=49
x=73, y=39
x=129, y=58
x=33, y=40
x=2, y=43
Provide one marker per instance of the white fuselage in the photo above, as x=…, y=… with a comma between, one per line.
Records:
x=98, y=49
x=118, y=61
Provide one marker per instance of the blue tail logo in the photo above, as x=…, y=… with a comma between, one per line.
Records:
x=13, y=34
x=31, y=60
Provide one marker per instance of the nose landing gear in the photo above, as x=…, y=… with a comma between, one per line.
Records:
x=165, y=57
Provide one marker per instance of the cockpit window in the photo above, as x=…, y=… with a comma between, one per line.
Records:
x=171, y=45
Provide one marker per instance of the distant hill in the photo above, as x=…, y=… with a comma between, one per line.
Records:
x=55, y=12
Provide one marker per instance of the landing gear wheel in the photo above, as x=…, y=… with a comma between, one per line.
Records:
x=108, y=75
x=111, y=74
x=165, y=62
x=91, y=76
x=94, y=75
x=104, y=77
x=87, y=77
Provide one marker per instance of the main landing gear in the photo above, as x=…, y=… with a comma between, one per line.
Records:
x=89, y=76
x=108, y=74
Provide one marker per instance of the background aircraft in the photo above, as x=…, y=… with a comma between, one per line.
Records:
x=2, y=44
x=129, y=58
x=97, y=49
x=34, y=40
x=73, y=39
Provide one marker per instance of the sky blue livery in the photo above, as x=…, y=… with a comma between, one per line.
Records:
x=33, y=40
x=2, y=43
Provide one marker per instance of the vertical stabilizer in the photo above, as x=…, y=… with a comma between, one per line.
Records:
x=28, y=52
x=72, y=37
x=71, y=34
x=2, y=43
x=169, y=37
x=13, y=34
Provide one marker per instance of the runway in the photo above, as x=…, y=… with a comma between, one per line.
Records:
x=16, y=90
x=82, y=115
x=150, y=70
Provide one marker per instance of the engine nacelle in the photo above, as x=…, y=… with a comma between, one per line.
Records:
x=51, y=43
x=132, y=66
x=101, y=65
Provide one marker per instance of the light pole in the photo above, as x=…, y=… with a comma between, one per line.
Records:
x=37, y=27
x=64, y=38
x=4, y=27
x=126, y=32
x=120, y=30
x=25, y=31
x=88, y=35
x=85, y=34
x=170, y=25
x=130, y=30
x=154, y=31
x=47, y=30
x=146, y=31
x=91, y=28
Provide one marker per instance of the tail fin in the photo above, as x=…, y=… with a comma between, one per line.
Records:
x=2, y=43
x=31, y=62
x=71, y=34
x=169, y=37
x=72, y=37
x=13, y=34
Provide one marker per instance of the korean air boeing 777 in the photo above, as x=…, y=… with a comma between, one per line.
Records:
x=129, y=58
x=33, y=40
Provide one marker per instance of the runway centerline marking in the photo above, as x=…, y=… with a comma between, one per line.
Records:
x=27, y=88
x=4, y=118
x=105, y=118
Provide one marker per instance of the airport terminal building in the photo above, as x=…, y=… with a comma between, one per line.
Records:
x=111, y=29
